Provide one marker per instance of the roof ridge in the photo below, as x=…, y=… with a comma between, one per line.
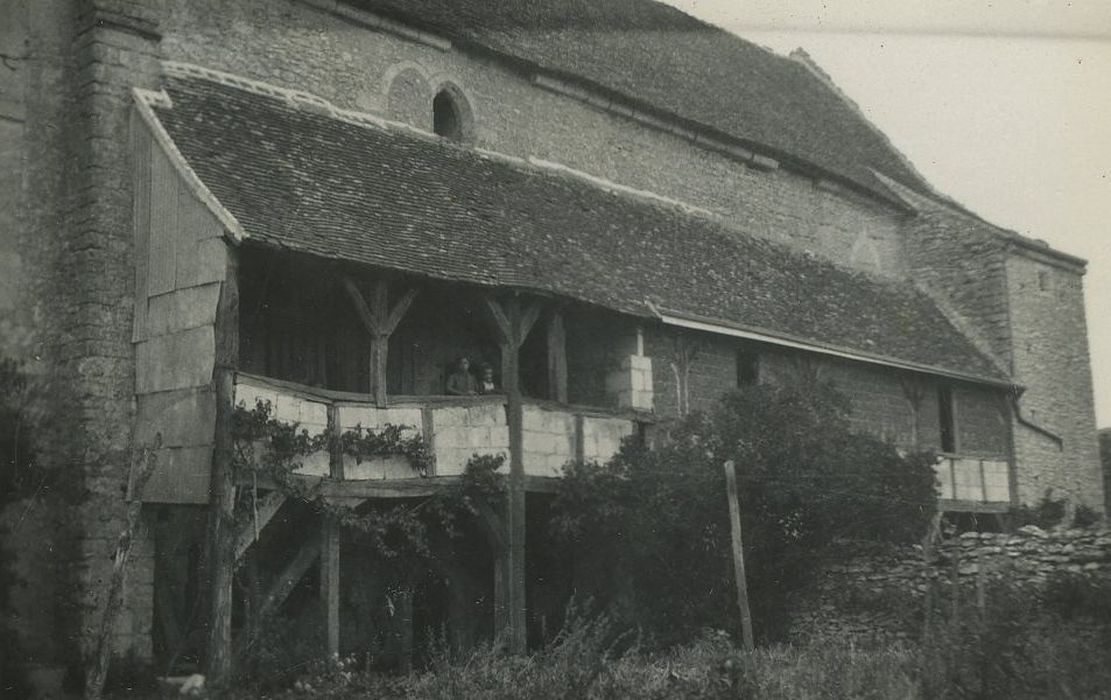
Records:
x=800, y=56
x=913, y=198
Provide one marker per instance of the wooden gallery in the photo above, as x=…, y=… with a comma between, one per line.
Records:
x=514, y=236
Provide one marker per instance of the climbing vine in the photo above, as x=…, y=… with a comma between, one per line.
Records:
x=268, y=448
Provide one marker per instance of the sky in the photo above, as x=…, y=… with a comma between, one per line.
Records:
x=1004, y=106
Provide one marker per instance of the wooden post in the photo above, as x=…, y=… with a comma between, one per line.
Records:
x=329, y=583
x=405, y=630
x=557, y=357
x=330, y=541
x=222, y=532
x=513, y=324
x=380, y=322
x=738, y=555
x=222, y=529
x=335, y=447
x=379, y=353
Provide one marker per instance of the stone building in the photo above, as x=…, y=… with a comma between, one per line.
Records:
x=322, y=203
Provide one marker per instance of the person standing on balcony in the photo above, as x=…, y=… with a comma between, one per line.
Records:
x=461, y=382
x=486, y=382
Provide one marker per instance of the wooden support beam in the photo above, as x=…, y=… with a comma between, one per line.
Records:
x=557, y=357
x=329, y=584
x=398, y=311
x=265, y=511
x=412, y=487
x=492, y=527
x=502, y=324
x=379, y=352
x=513, y=324
x=222, y=535
x=580, y=438
x=428, y=432
x=380, y=322
x=335, y=446
x=355, y=492
x=404, y=621
x=290, y=576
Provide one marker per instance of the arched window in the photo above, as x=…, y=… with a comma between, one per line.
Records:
x=447, y=121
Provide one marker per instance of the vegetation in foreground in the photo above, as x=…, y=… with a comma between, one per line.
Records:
x=651, y=535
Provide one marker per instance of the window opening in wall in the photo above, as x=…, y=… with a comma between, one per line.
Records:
x=446, y=118
x=945, y=419
x=748, y=367
x=1044, y=281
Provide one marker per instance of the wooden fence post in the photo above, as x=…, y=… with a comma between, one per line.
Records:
x=738, y=555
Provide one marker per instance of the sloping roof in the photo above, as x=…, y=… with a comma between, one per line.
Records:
x=656, y=55
x=310, y=182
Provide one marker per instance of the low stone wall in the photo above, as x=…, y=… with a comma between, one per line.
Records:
x=857, y=595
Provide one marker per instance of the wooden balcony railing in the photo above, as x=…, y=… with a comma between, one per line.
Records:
x=454, y=427
x=972, y=483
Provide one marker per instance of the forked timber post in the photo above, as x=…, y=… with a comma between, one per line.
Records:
x=513, y=321
x=380, y=321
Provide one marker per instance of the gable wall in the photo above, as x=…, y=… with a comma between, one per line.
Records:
x=297, y=46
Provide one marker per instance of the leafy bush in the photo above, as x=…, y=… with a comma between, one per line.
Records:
x=1048, y=513
x=1085, y=516
x=651, y=528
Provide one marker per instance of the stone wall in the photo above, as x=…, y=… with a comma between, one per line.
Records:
x=298, y=46
x=879, y=399
x=467, y=430
x=1051, y=360
x=76, y=253
x=14, y=45
x=854, y=595
x=962, y=264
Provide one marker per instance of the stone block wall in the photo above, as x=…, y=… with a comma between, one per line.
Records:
x=1029, y=557
x=1051, y=360
x=463, y=431
x=602, y=437
x=298, y=45
x=549, y=440
x=76, y=253
x=689, y=369
x=961, y=263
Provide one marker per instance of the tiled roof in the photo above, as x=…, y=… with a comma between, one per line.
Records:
x=310, y=182
x=656, y=55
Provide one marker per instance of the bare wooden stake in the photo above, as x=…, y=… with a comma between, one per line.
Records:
x=738, y=555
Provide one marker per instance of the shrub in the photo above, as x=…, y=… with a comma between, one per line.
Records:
x=1048, y=513
x=1085, y=516
x=651, y=528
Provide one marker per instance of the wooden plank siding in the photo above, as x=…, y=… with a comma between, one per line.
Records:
x=181, y=263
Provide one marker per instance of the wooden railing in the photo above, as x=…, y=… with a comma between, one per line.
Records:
x=968, y=482
x=455, y=427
